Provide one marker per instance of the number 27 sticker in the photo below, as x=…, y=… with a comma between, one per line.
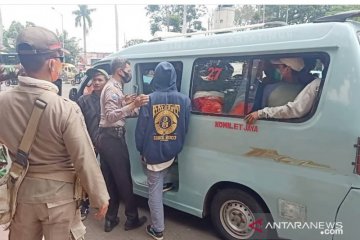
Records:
x=214, y=73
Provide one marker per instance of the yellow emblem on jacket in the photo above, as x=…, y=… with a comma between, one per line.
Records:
x=165, y=119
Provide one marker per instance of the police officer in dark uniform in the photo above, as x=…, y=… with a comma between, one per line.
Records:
x=115, y=162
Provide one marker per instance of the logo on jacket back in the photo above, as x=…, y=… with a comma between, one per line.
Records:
x=165, y=119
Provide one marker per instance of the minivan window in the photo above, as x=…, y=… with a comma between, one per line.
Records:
x=146, y=73
x=229, y=86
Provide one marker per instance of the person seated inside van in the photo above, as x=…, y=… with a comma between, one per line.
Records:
x=266, y=74
x=147, y=77
x=279, y=101
x=281, y=84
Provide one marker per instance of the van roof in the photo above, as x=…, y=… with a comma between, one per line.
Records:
x=339, y=17
x=301, y=36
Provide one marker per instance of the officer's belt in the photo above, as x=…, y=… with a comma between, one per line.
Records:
x=68, y=177
x=117, y=132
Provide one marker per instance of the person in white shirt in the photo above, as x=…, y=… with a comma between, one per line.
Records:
x=297, y=108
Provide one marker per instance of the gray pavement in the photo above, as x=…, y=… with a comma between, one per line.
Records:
x=179, y=226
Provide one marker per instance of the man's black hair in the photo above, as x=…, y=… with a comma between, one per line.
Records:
x=118, y=63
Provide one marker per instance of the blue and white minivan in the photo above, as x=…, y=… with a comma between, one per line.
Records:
x=290, y=178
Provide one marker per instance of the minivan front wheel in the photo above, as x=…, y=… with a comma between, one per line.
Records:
x=237, y=215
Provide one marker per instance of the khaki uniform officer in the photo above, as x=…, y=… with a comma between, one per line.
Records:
x=46, y=204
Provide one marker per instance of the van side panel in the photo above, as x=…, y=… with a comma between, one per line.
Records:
x=347, y=216
x=309, y=163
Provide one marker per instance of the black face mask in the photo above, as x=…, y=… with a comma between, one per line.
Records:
x=127, y=77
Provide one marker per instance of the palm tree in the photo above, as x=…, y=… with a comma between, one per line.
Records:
x=83, y=19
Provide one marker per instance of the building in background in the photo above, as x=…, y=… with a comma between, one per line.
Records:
x=223, y=17
x=91, y=58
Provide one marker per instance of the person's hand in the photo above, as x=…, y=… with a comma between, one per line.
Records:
x=102, y=211
x=252, y=117
x=141, y=100
x=129, y=98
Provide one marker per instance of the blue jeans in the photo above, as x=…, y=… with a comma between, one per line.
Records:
x=155, y=183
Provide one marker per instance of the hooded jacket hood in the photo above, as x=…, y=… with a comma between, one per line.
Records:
x=164, y=78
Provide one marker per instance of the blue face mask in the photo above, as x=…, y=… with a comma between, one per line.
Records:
x=277, y=75
x=273, y=74
x=147, y=79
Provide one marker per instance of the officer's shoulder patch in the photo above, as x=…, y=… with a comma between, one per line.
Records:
x=114, y=97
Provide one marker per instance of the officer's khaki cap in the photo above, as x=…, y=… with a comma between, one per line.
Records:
x=294, y=63
x=38, y=40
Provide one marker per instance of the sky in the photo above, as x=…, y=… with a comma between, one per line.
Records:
x=132, y=22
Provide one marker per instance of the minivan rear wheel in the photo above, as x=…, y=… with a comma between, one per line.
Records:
x=233, y=210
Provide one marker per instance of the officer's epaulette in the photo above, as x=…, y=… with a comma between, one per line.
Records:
x=116, y=84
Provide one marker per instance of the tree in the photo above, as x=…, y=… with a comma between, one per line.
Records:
x=72, y=45
x=171, y=17
x=83, y=19
x=133, y=42
x=294, y=14
x=291, y=14
x=11, y=34
x=306, y=13
x=244, y=15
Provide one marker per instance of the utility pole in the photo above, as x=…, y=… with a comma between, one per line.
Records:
x=167, y=18
x=116, y=28
x=287, y=13
x=264, y=13
x=184, y=20
x=62, y=28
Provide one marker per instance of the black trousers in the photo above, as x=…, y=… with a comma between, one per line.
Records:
x=115, y=166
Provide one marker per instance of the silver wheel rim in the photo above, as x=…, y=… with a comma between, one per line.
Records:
x=235, y=217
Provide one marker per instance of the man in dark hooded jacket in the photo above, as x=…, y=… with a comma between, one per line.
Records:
x=90, y=107
x=160, y=135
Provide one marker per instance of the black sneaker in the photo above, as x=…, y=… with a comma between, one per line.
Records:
x=132, y=225
x=168, y=187
x=84, y=212
x=109, y=225
x=153, y=233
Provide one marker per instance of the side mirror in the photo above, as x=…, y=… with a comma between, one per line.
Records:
x=73, y=94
